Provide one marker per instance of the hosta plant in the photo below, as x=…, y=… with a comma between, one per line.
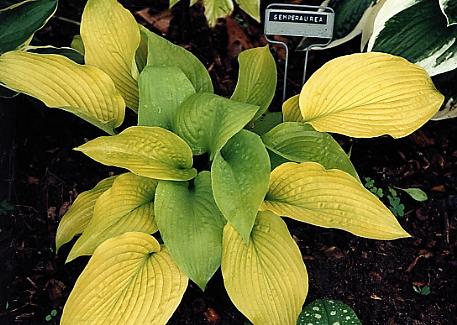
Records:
x=202, y=191
x=215, y=9
x=422, y=31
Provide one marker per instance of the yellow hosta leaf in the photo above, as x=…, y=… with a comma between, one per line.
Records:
x=215, y=9
x=369, y=94
x=146, y=151
x=126, y=206
x=331, y=199
x=291, y=110
x=57, y=81
x=129, y=280
x=111, y=37
x=266, y=279
x=78, y=216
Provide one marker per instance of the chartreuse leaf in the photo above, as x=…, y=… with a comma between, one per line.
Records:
x=111, y=37
x=331, y=199
x=20, y=21
x=240, y=174
x=300, y=143
x=400, y=29
x=369, y=94
x=126, y=206
x=328, y=312
x=146, y=151
x=141, y=55
x=76, y=219
x=129, y=280
x=159, y=101
x=162, y=52
x=449, y=8
x=266, y=122
x=415, y=193
x=256, y=78
x=191, y=226
x=291, y=110
x=215, y=9
x=57, y=81
x=206, y=121
x=77, y=44
x=251, y=7
x=266, y=278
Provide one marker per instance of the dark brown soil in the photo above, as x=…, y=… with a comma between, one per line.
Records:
x=376, y=278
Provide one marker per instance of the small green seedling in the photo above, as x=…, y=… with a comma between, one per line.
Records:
x=425, y=290
x=415, y=193
x=51, y=315
x=327, y=312
x=370, y=185
x=397, y=208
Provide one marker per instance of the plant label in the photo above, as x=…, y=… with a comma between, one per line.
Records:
x=298, y=22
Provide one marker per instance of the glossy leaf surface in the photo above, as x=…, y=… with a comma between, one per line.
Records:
x=328, y=312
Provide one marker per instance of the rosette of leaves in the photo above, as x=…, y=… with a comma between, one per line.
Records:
x=422, y=31
x=202, y=191
x=215, y=9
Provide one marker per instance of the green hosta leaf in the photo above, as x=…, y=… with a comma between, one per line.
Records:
x=129, y=280
x=300, y=142
x=328, y=312
x=266, y=278
x=162, y=90
x=251, y=7
x=191, y=226
x=20, y=21
x=266, y=122
x=166, y=54
x=329, y=198
x=146, y=151
x=416, y=30
x=215, y=9
x=449, y=8
x=68, y=52
x=141, y=55
x=240, y=175
x=77, y=44
x=256, y=78
x=415, y=193
x=78, y=216
x=126, y=206
x=348, y=13
x=207, y=121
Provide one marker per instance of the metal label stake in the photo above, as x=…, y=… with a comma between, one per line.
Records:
x=315, y=23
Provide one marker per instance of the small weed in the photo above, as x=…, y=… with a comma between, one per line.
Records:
x=425, y=290
x=397, y=208
x=5, y=207
x=51, y=315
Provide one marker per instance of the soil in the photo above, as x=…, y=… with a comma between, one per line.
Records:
x=376, y=278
